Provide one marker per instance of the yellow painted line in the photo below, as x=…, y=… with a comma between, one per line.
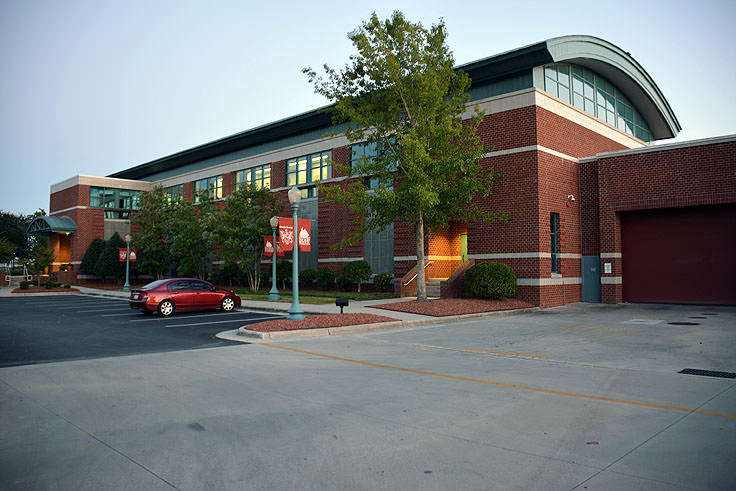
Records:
x=508, y=386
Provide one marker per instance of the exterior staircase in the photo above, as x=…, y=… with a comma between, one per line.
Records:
x=433, y=287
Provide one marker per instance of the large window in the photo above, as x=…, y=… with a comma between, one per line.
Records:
x=308, y=169
x=554, y=235
x=118, y=203
x=596, y=96
x=364, y=153
x=174, y=193
x=260, y=176
x=211, y=186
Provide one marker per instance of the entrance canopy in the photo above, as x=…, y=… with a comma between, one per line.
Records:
x=46, y=225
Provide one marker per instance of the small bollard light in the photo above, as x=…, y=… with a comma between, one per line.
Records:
x=341, y=302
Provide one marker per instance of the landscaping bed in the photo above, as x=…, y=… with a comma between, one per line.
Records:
x=455, y=306
x=43, y=289
x=318, y=321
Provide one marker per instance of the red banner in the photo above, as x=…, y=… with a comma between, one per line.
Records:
x=286, y=234
x=268, y=247
x=123, y=252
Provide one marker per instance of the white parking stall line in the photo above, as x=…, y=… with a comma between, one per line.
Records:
x=118, y=315
x=191, y=316
x=102, y=310
x=78, y=306
x=217, y=322
x=70, y=302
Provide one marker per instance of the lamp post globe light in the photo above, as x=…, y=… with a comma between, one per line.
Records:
x=127, y=239
x=274, y=293
x=295, y=311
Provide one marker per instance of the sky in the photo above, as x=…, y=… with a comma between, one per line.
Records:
x=95, y=87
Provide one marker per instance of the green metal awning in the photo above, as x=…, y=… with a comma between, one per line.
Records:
x=46, y=225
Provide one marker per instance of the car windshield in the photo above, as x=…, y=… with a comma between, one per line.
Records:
x=153, y=285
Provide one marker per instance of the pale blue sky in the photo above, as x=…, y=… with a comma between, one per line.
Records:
x=94, y=87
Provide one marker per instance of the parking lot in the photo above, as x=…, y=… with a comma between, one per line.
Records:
x=38, y=329
x=579, y=397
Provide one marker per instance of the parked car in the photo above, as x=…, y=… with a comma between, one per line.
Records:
x=167, y=296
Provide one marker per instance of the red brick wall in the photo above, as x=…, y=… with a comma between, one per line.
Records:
x=278, y=174
x=69, y=197
x=560, y=134
x=689, y=176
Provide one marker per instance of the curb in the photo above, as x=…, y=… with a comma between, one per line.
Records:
x=330, y=331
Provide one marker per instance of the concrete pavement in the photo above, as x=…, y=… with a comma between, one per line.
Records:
x=579, y=397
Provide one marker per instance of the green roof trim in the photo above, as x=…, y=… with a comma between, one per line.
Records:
x=506, y=71
x=46, y=224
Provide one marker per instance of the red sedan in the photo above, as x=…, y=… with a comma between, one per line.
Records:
x=166, y=296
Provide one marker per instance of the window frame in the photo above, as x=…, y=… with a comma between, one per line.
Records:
x=214, y=191
x=244, y=177
x=303, y=166
x=554, y=236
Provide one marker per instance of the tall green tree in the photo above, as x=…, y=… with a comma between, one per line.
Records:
x=155, y=233
x=39, y=258
x=401, y=95
x=7, y=250
x=13, y=227
x=194, y=236
x=241, y=225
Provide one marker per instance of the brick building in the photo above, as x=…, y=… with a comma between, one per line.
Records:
x=599, y=213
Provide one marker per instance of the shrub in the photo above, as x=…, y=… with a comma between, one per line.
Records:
x=91, y=256
x=344, y=283
x=356, y=271
x=24, y=285
x=307, y=277
x=383, y=281
x=490, y=280
x=67, y=285
x=108, y=263
x=49, y=284
x=325, y=278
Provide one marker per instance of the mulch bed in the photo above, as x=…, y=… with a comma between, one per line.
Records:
x=318, y=321
x=43, y=289
x=455, y=306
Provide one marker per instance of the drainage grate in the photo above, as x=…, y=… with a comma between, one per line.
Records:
x=707, y=373
x=684, y=323
x=696, y=317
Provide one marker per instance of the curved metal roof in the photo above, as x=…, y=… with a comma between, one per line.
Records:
x=46, y=224
x=623, y=71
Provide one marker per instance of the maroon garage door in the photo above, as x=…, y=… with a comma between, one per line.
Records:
x=680, y=255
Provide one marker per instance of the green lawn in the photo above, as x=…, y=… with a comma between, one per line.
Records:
x=312, y=296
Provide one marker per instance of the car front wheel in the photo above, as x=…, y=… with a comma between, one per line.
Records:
x=228, y=304
x=166, y=308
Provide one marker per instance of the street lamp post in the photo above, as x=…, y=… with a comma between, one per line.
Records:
x=274, y=293
x=127, y=239
x=295, y=311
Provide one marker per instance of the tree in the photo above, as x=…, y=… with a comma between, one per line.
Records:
x=13, y=228
x=241, y=226
x=109, y=264
x=357, y=271
x=154, y=237
x=91, y=255
x=7, y=250
x=40, y=257
x=194, y=237
x=401, y=95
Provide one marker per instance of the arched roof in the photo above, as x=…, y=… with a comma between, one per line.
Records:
x=46, y=224
x=622, y=70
